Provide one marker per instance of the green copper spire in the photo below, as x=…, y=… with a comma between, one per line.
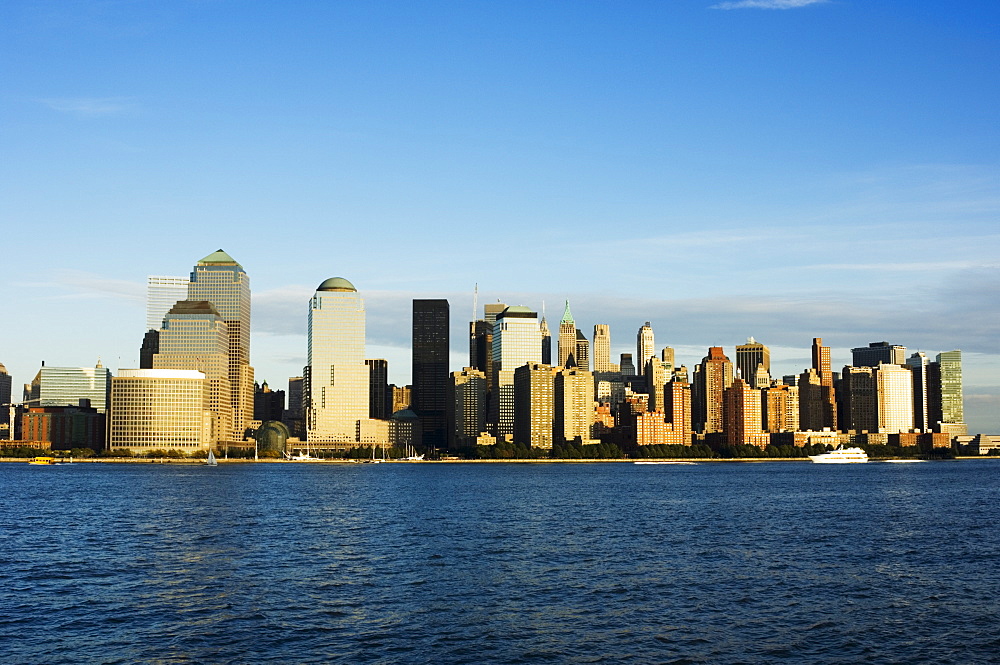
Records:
x=567, y=315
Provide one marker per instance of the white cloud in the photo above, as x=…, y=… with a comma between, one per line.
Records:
x=766, y=4
x=91, y=106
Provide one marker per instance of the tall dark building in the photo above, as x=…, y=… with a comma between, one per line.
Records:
x=379, y=401
x=267, y=404
x=295, y=416
x=150, y=347
x=5, y=384
x=430, y=369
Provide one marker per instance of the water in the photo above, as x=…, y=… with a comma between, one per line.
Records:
x=500, y=563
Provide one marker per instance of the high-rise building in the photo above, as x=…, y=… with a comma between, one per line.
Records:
x=918, y=368
x=378, y=388
x=5, y=404
x=222, y=281
x=481, y=342
x=742, y=413
x=821, y=363
x=268, y=404
x=546, y=342
x=582, y=354
x=466, y=407
x=295, y=415
x=534, y=404
x=645, y=348
x=658, y=374
x=626, y=365
x=945, y=401
x=66, y=386
x=195, y=337
x=567, y=337
x=161, y=294
x=677, y=411
x=159, y=409
x=516, y=342
x=338, y=376
x=751, y=356
x=895, y=398
x=150, y=347
x=667, y=355
x=812, y=403
x=780, y=406
x=602, y=348
x=711, y=378
x=858, y=400
x=879, y=352
x=430, y=369
x=573, y=417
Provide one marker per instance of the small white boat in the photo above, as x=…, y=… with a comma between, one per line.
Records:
x=841, y=456
x=210, y=461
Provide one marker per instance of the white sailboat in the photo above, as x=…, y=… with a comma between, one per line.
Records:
x=210, y=461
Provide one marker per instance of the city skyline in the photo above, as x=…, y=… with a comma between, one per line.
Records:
x=826, y=170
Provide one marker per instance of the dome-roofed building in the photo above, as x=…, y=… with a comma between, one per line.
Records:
x=271, y=437
x=336, y=284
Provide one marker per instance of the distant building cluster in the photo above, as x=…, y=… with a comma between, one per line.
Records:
x=195, y=388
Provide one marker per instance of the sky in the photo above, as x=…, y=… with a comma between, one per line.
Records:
x=782, y=169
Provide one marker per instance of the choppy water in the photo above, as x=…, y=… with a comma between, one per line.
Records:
x=500, y=563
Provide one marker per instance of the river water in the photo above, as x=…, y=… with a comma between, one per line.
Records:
x=500, y=563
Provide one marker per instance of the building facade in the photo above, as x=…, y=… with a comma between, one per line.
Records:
x=220, y=280
x=516, y=342
x=154, y=409
x=66, y=386
x=338, y=377
x=430, y=369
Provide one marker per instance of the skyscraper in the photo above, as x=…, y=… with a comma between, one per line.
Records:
x=748, y=357
x=858, y=400
x=534, y=405
x=194, y=337
x=946, y=406
x=516, y=342
x=161, y=294
x=481, y=342
x=645, y=348
x=466, y=407
x=711, y=378
x=821, y=363
x=742, y=412
x=582, y=353
x=378, y=388
x=430, y=369
x=546, y=342
x=5, y=384
x=918, y=367
x=567, y=337
x=573, y=416
x=338, y=375
x=222, y=281
x=878, y=352
x=895, y=398
x=602, y=348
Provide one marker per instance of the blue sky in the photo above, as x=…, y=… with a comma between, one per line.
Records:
x=782, y=169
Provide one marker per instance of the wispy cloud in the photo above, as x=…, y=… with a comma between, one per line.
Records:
x=91, y=106
x=766, y=4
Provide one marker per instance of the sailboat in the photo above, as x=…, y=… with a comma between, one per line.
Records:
x=211, y=459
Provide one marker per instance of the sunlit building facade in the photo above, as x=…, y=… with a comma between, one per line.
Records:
x=516, y=342
x=159, y=409
x=220, y=280
x=338, y=375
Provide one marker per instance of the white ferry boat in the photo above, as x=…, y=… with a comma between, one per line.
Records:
x=841, y=456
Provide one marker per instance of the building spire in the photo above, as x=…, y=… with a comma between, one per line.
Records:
x=567, y=315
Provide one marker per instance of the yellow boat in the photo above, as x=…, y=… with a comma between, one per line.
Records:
x=42, y=460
